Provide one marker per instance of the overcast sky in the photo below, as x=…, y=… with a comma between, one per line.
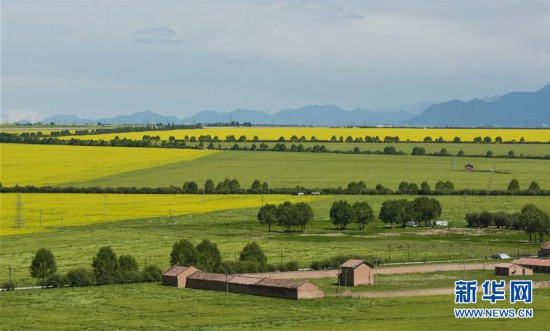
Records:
x=98, y=59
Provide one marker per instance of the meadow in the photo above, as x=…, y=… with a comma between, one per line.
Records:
x=151, y=239
x=25, y=164
x=45, y=211
x=328, y=170
x=326, y=133
x=152, y=306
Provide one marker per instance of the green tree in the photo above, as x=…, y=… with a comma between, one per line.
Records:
x=127, y=263
x=514, y=185
x=426, y=209
x=533, y=220
x=43, y=264
x=303, y=214
x=403, y=187
x=534, y=186
x=253, y=252
x=190, y=187
x=209, y=257
x=234, y=186
x=209, y=186
x=425, y=187
x=105, y=265
x=396, y=211
x=268, y=215
x=256, y=186
x=363, y=213
x=341, y=213
x=184, y=254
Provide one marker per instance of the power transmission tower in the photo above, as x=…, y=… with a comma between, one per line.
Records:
x=19, y=211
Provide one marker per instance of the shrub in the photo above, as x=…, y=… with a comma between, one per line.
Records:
x=80, y=277
x=282, y=267
x=152, y=273
x=292, y=265
x=56, y=280
x=9, y=286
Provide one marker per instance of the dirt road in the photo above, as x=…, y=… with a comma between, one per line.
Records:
x=316, y=274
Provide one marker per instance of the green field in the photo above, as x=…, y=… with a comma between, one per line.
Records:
x=312, y=170
x=152, y=239
x=155, y=307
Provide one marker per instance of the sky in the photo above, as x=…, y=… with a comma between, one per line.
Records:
x=99, y=58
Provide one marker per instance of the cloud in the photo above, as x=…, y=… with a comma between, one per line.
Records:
x=16, y=115
x=156, y=36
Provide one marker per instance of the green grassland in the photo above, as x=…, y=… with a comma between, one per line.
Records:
x=155, y=307
x=152, y=239
x=324, y=170
x=452, y=148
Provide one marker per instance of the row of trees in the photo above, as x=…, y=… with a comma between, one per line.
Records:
x=207, y=257
x=286, y=215
x=421, y=211
x=531, y=219
x=107, y=269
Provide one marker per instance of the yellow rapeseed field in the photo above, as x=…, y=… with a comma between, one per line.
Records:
x=325, y=133
x=45, y=212
x=38, y=165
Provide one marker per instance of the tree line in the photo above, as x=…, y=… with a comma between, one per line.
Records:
x=233, y=186
x=531, y=219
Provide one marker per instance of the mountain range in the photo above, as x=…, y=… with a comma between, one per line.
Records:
x=515, y=109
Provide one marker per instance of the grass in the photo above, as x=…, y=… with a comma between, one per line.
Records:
x=326, y=133
x=151, y=239
x=25, y=164
x=421, y=281
x=333, y=170
x=152, y=306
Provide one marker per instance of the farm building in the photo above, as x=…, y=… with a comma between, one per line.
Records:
x=177, y=276
x=510, y=269
x=249, y=285
x=538, y=265
x=356, y=272
x=545, y=250
x=469, y=167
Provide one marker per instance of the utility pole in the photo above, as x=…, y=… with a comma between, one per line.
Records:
x=40, y=217
x=171, y=217
x=105, y=206
x=19, y=211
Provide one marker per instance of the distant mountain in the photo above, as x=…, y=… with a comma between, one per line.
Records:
x=330, y=115
x=144, y=117
x=516, y=109
x=67, y=119
x=238, y=115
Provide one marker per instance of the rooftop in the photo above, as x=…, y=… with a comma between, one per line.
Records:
x=354, y=263
x=533, y=262
x=176, y=270
x=546, y=245
x=279, y=283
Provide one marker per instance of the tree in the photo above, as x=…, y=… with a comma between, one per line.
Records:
x=209, y=186
x=534, y=186
x=396, y=211
x=425, y=187
x=268, y=215
x=485, y=219
x=489, y=153
x=127, y=263
x=426, y=209
x=253, y=252
x=303, y=215
x=190, y=187
x=256, y=186
x=265, y=187
x=534, y=220
x=514, y=185
x=341, y=213
x=403, y=187
x=286, y=215
x=449, y=186
x=184, y=254
x=105, y=265
x=234, y=186
x=43, y=264
x=363, y=213
x=209, y=255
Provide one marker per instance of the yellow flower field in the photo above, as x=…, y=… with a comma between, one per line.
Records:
x=38, y=165
x=325, y=133
x=45, y=212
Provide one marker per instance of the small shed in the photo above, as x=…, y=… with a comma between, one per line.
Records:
x=538, y=265
x=356, y=272
x=315, y=193
x=545, y=250
x=177, y=276
x=510, y=269
x=469, y=167
x=441, y=223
